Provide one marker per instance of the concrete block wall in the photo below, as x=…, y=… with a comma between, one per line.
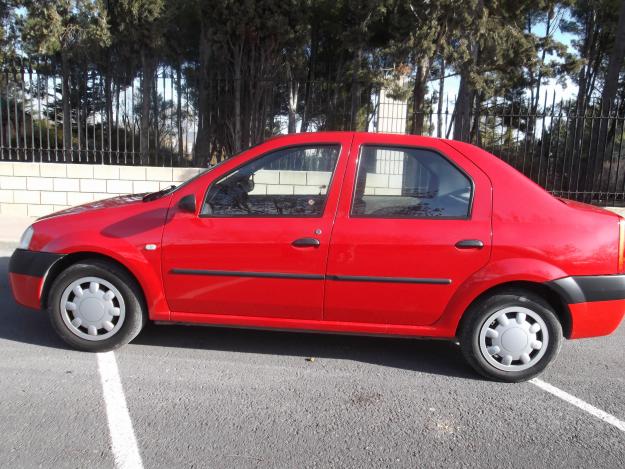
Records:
x=383, y=184
x=317, y=182
x=36, y=189
x=291, y=182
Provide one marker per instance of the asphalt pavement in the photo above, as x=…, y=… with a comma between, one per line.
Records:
x=232, y=398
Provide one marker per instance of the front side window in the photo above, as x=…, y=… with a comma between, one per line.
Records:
x=409, y=183
x=292, y=182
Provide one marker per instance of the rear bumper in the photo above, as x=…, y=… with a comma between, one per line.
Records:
x=27, y=273
x=596, y=303
x=595, y=319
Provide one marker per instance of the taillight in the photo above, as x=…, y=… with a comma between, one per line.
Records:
x=621, y=246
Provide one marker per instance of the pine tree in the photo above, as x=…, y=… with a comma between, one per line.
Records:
x=67, y=31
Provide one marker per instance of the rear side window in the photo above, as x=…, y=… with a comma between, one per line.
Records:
x=291, y=182
x=396, y=182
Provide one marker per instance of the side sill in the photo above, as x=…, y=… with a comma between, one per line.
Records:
x=309, y=325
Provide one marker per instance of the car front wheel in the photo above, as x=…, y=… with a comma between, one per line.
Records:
x=96, y=306
x=510, y=336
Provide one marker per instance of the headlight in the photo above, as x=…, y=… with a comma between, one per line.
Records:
x=26, y=237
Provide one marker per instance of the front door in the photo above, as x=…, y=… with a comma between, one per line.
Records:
x=259, y=244
x=414, y=222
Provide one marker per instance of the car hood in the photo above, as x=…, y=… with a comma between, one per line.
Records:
x=122, y=200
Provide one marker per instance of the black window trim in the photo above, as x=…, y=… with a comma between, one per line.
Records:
x=410, y=147
x=288, y=147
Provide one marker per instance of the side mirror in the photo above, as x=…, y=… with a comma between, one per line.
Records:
x=187, y=203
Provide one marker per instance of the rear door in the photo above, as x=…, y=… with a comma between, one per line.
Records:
x=414, y=222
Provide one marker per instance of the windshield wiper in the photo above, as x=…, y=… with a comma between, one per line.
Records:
x=158, y=194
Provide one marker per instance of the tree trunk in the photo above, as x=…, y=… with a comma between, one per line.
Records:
x=310, y=77
x=237, y=99
x=466, y=92
x=610, y=87
x=155, y=123
x=293, y=95
x=615, y=64
x=539, y=79
x=583, y=81
x=531, y=77
x=202, y=139
x=439, y=108
x=108, y=100
x=179, y=112
x=67, y=111
x=462, y=122
x=81, y=102
x=108, y=110
x=266, y=118
x=250, y=71
x=475, y=135
x=247, y=105
x=148, y=65
x=117, y=91
x=418, y=95
x=355, y=105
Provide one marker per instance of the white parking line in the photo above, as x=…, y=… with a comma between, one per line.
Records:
x=124, y=444
x=585, y=406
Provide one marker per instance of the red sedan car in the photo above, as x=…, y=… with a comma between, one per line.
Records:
x=340, y=232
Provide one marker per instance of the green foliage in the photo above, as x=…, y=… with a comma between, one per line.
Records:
x=249, y=66
x=70, y=26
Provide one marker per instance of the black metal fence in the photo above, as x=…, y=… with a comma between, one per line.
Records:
x=573, y=150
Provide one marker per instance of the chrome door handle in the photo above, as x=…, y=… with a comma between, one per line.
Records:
x=306, y=242
x=470, y=244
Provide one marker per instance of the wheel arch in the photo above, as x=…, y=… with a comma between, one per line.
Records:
x=551, y=296
x=75, y=257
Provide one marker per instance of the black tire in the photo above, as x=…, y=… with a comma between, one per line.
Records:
x=135, y=312
x=480, y=312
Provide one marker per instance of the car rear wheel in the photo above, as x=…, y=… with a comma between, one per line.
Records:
x=96, y=306
x=510, y=336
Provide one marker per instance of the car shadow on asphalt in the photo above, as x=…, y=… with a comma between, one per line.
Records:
x=439, y=357
x=426, y=356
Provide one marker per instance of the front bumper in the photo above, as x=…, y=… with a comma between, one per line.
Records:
x=596, y=303
x=27, y=273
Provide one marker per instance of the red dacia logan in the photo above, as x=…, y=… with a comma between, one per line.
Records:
x=339, y=232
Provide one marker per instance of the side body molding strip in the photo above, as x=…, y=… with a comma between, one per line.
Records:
x=339, y=278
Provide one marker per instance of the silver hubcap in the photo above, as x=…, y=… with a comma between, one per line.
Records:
x=92, y=308
x=514, y=338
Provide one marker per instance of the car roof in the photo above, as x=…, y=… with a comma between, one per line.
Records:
x=309, y=135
